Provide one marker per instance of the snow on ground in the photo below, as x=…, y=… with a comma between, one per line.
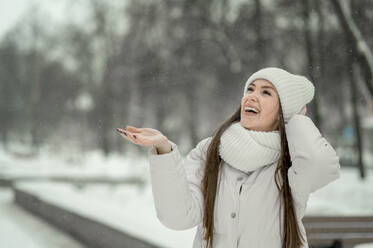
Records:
x=92, y=164
x=131, y=209
x=17, y=228
x=116, y=204
x=348, y=195
x=370, y=245
x=132, y=215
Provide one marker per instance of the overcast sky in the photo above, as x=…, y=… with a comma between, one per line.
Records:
x=12, y=10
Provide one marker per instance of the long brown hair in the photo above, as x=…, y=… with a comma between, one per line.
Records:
x=292, y=237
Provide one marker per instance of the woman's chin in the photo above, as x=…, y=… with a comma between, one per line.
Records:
x=247, y=125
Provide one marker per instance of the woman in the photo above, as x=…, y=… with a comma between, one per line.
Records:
x=231, y=184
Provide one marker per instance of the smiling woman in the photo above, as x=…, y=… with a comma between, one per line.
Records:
x=260, y=107
x=248, y=184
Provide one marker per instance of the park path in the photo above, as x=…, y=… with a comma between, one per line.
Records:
x=19, y=228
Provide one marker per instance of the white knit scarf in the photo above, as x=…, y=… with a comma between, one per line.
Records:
x=248, y=150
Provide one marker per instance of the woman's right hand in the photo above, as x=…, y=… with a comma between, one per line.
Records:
x=145, y=137
x=304, y=110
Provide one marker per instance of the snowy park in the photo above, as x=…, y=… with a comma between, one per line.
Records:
x=130, y=208
x=88, y=87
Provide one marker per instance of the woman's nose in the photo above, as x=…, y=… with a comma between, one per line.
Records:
x=253, y=96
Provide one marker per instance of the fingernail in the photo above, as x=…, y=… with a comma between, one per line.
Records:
x=123, y=132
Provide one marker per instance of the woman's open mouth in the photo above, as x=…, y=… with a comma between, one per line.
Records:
x=250, y=113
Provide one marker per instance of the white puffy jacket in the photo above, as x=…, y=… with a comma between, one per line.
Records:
x=247, y=208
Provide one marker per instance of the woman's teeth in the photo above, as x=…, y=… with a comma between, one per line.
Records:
x=251, y=110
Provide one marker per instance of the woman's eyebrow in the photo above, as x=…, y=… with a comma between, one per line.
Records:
x=265, y=86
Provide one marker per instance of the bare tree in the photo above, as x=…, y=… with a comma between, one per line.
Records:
x=311, y=57
x=364, y=53
x=357, y=51
x=108, y=47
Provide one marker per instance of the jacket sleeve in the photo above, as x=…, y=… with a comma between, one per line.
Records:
x=176, y=185
x=314, y=161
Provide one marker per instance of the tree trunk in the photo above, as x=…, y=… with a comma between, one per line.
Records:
x=311, y=59
x=353, y=70
x=362, y=49
x=355, y=43
x=260, y=40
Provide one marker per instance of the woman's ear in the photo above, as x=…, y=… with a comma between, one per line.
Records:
x=278, y=122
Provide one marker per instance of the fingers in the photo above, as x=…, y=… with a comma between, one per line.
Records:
x=124, y=136
x=133, y=129
x=303, y=110
x=128, y=135
x=122, y=133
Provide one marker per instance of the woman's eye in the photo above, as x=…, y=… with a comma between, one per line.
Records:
x=265, y=91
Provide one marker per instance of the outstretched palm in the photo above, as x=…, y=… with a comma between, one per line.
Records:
x=142, y=136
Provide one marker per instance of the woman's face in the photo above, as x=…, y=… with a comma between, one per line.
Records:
x=262, y=96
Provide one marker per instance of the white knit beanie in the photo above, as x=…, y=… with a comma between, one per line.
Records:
x=294, y=91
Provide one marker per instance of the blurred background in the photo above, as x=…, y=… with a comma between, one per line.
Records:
x=71, y=72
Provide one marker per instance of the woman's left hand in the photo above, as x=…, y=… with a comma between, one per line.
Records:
x=304, y=110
